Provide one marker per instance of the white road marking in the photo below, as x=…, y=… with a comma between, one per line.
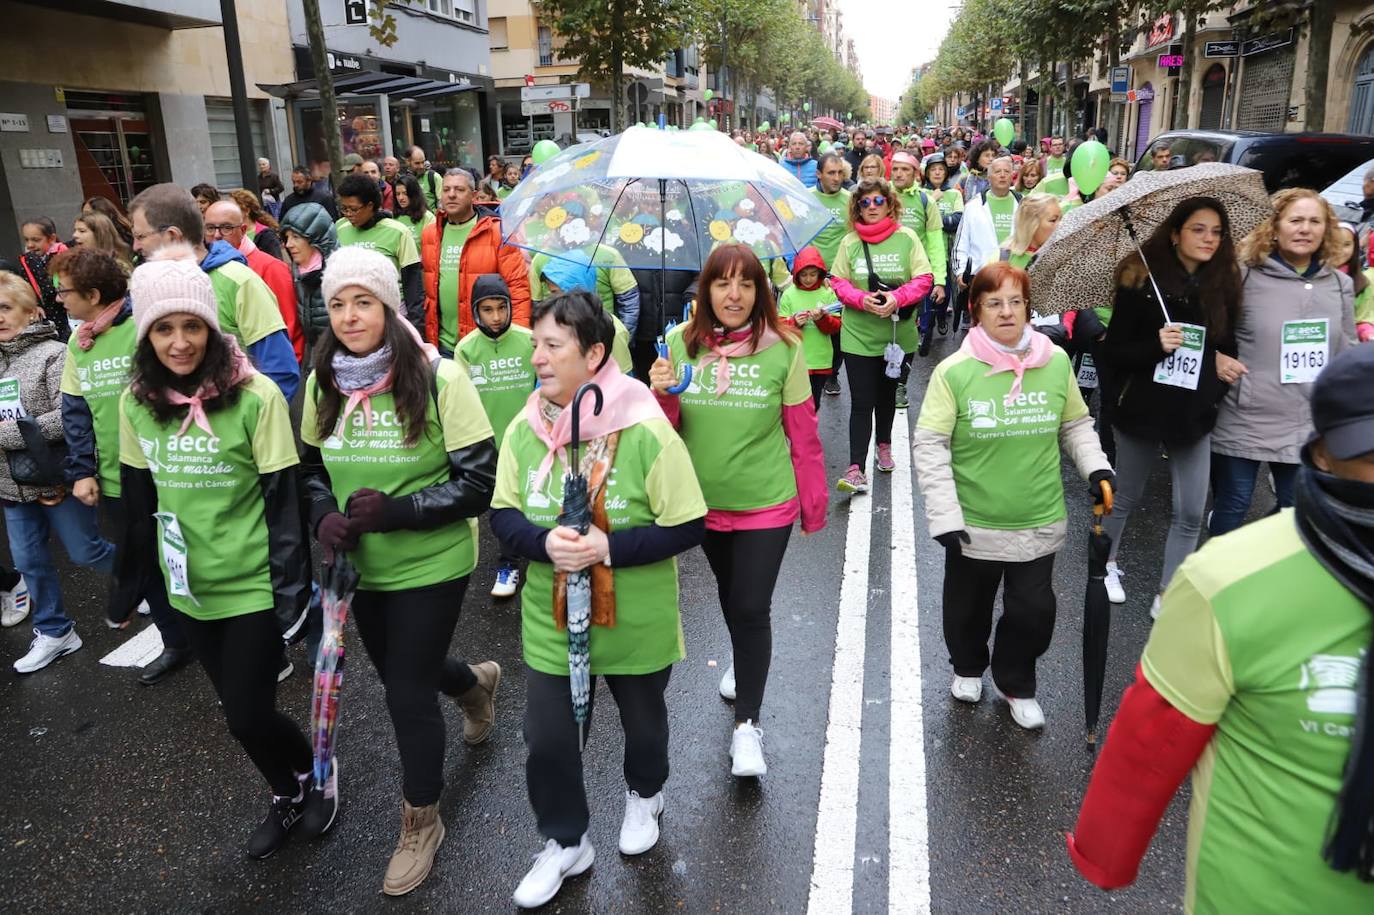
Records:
x=908, y=842
x=832, y=869
x=137, y=651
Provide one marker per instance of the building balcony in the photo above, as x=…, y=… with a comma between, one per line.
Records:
x=166, y=14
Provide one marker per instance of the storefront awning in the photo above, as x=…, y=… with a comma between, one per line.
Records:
x=371, y=83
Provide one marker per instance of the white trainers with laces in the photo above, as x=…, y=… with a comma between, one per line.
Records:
x=551, y=867
x=44, y=649
x=639, y=829
x=727, y=683
x=1115, y=593
x=14, y=605
x=507, y=582
x=1027, y=713
x=746, y=751
x=966, y=689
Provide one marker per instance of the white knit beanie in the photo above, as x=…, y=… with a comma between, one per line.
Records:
x=357, y=266
x=171, y=283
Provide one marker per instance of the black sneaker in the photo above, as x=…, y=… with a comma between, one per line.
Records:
x=924, y=348
x=322, y=804
x=832, y=386
x=271, y=835
x=942, y=324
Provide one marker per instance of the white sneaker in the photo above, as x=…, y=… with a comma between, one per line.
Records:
x=727, y=683
x=144, y=609
x=966, y=689
x=639, y=829
x=1115, y=593
x=551, y=867
x=45, y=649
x=287, y=669
x=1026, y=712
x=14, y=605
x=1154, y=608
x=746, y=751
x=507, y=581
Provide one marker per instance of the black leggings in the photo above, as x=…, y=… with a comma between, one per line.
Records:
x=818, y=380
x=1023, y=632
x=242, y=657
x=746, y=565
x=553, y=768
x=872, y=399
x=406, y=634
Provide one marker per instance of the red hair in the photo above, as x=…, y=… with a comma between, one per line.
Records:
x=722, y=263
x=991, y=278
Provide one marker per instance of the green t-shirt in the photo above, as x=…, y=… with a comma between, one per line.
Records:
x=815, y=345
x=1058, y=185
x=416, y=228
x=1364, y=302
x=949, y=201
x=212, y=519
x=388, y=236
x=828, y=241
x=378, y=458
x=503, y=192
x=1256, y=637
x=99, y=375
x=1003, y=211
x=247, y=308
x=736, y=440
x=896, y=260
x=500, y=369
x=1005, y=457
x=925, y=221
x=651, y=482
x=1054, y=165
x=452, y=238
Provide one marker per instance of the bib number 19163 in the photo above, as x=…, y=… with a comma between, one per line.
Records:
x=1304, y=350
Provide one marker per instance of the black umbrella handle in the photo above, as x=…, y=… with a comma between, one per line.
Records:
x=588, y=387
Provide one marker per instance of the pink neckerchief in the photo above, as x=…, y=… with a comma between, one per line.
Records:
x=243, y=370
x=362, y=397
x=247, y=246
x=738, y=344
x=625, y=402
x=89, y=330
x=1039, y=350
x=878, y=232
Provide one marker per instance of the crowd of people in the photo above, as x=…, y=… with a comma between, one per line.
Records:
x=194, y=390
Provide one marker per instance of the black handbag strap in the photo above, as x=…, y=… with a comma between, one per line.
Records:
x=872, y=274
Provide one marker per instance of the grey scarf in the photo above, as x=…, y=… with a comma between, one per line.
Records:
x=353, y=373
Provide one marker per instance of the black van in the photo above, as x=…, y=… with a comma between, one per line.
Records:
x=1311, y=160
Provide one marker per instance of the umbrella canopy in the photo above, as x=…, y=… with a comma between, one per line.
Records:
x=1097, y=617
x=1077, y=266
x=339, y=580
x=661, y=199
x=577, y=514
x=826, y=123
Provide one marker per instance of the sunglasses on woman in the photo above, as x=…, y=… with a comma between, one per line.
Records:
x=870, y=202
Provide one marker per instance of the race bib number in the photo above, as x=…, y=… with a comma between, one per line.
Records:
x=1304, y=350
x=11, y=407
x=1087, y=373
x=174, y=556
x=1183, y=367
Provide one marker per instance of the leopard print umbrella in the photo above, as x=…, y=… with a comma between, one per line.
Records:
x=1076, y=268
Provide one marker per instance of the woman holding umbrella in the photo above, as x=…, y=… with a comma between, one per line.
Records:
x=1299, y=314
x=750, y=426
x=881, y=275
x=1163, y=359
x=645, y=508
x=398, y=437
x=987, y=455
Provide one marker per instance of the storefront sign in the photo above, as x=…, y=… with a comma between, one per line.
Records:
x=343, y=62
x=1221, y=49
x=1140, y=95
x=1121, y=80
x=13, y=122
x=1266, y=43
x=1162, y=30
x=1170, y=60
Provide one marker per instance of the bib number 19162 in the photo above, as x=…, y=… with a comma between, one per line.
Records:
x=1183, y=367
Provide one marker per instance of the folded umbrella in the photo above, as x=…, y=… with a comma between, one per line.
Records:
x=1097, y=618
x=338, y=582
x=577, y=514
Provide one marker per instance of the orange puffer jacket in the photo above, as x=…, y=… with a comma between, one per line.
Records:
x=483, y=253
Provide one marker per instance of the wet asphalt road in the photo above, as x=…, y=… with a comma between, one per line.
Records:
x=127, y=799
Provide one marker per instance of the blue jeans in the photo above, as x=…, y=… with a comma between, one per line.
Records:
x=77, y=527
x=930, y=311
x=1233, y=486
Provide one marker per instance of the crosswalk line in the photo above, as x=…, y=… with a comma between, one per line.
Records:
x=137, y=651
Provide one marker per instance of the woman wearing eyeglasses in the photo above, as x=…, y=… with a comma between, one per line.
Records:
x=881, y=274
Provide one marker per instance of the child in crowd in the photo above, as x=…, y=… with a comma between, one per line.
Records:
x=802, y=305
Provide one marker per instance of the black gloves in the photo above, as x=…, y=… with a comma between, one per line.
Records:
x=336, y=532
x=374, y=512
x=953, y=541
x=1095, y=484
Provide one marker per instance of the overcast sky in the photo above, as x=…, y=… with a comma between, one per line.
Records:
x=892, y=36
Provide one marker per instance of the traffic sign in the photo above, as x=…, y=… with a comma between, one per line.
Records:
x=1221, y=49
x=552, y=106
x=564, y=91
x=355, y=12
x=1121, y=80
x=995, y=104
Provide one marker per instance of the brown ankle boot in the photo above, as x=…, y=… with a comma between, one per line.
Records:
x=421, y=832
x=479, y=703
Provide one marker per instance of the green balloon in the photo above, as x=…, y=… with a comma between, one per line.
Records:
x=133, y=151
x=1089, y=165
x=701, y=125
x=806, y=106
x=825, y=147
x=1004, y=130
x=713, y=123
x=763, y=126
x=543, y=151
x=708, y=95
x=785, y=116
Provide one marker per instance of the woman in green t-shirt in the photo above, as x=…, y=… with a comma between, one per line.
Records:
x=411, y=211
x=1032, y=226
x=646, y=508
x=207, y=452
x=987, y=455
x=398, y=437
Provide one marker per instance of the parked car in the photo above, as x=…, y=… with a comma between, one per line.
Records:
x=1286, y=159
x=1346, y=194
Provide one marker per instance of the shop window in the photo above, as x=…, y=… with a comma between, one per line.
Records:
x=496, y=28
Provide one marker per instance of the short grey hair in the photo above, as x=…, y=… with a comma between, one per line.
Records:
x=263, y=160
x=797, y=134
x=457, y=172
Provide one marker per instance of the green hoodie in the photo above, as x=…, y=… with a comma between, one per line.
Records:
x=501, y=371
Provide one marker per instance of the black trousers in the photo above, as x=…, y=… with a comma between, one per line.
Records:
x=818, y=380
x=1108, y=390
x=872, y=404
x=407, y=635
x=165, y=617
x=1023, y=632
x=242, y=656
x=553, y=768
x=837, y=358
x=746, y=565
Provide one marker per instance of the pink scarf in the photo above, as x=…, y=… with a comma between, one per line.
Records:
x=625, y=402
x=980, y=346
x=243, y=370
x=878, y=232
x=89, y=330
x=737, y=345
x=315, y=263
